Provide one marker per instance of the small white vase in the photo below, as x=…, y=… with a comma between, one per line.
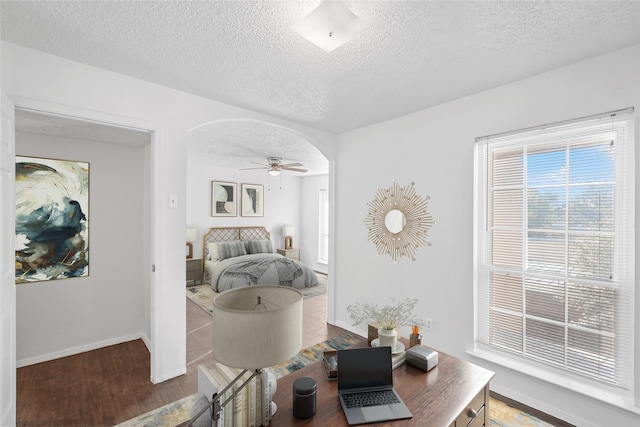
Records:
x=387, y=338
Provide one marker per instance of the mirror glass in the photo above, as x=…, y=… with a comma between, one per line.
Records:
x=395, y=221
x=398, y=221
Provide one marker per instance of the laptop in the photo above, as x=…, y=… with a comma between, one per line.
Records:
x=365, y=386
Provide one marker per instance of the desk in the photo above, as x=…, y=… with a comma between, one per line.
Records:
x=442, y=397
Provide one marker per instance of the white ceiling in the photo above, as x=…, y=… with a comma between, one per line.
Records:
x=413, y=55
x=66, y=127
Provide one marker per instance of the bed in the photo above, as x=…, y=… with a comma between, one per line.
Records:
x=243, y=256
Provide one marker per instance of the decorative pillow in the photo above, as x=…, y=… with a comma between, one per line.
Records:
x=223, y=250
x=259, y=247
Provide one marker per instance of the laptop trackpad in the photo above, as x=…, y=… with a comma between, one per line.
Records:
x=377, y=413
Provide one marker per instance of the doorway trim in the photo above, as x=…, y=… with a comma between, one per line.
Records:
x=154, y=231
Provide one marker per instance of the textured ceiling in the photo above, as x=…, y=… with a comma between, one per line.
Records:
x=413, y=55
x=66, y=127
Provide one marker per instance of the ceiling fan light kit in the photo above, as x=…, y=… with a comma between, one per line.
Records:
x=275, y=166
x=330, y=26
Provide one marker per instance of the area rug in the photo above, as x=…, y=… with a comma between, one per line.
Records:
x=178, y=412
x=503, y=415
x=500, y=414
x=203, y=295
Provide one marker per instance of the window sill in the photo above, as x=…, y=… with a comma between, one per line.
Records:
x=323, y=262
x=599, y=392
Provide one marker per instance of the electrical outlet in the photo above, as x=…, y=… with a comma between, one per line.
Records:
x=428, y=324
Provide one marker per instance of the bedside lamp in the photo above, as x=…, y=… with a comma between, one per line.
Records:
x=259, y=327
x=288, y=231
x=191, y=237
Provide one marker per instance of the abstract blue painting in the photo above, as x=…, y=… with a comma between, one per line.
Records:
x=52, y=219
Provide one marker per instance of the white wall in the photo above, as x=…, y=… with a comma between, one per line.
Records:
x=434, y=148
x=310, y=201
x=45, y=82
x=61, y=317
x=281, y=200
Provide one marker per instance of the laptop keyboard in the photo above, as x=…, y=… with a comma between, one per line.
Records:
x=369, y=398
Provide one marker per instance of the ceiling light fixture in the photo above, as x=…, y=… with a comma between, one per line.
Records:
x=274, y=172
x=330, y=25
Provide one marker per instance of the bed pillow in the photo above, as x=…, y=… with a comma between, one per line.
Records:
x=223, y=250
x=259, y=247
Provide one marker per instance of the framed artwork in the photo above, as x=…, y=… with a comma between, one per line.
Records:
x=52, y=219
x=252, y=200
x=223, y=198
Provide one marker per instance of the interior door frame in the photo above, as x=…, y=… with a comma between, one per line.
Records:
x=154, y=250
x=7, y=262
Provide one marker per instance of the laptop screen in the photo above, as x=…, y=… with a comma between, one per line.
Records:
x=364, y=367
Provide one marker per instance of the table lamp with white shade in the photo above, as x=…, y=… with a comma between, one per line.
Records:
x=191, y=237
x=255, y=327
x=288, y=231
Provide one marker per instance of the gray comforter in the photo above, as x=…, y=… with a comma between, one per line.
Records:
x=258, y=269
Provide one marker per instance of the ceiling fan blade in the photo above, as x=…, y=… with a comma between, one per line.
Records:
x=288, y=165
x=263, y=167
x=261, y=164
x=294, y=169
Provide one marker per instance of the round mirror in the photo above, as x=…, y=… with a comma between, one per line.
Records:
x=395, y=221
x=398, y=232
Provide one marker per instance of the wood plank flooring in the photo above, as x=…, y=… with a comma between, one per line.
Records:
x=110, y=385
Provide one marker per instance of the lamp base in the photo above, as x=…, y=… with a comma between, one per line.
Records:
x=288, y=242
x=215, y=399
x=190, y=246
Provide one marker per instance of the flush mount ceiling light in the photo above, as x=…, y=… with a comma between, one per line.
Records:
x=330, y=25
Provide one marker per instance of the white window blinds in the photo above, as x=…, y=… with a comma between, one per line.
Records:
x=555, y=247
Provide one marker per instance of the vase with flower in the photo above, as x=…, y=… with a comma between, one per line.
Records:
x=388, y=318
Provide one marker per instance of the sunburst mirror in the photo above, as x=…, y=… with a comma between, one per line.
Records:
x=398, y=221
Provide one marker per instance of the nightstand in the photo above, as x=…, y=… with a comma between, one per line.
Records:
x=292, y=253
x=194, y=269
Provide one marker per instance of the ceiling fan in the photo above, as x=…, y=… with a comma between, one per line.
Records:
x=275, y=166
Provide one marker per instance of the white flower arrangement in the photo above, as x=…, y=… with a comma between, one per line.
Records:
x=387, y=317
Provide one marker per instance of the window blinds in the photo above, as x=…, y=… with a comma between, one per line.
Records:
x=555, y=247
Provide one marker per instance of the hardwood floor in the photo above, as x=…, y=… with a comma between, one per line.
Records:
x=110, y=385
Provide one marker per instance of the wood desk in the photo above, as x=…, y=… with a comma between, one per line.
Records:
x=442, y=397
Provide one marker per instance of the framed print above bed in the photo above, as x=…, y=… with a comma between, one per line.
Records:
x=223, y=198
x=252, y=200
x=52, y=219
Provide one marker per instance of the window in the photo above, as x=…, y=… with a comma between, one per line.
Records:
x=323, y=227
x=554, y=247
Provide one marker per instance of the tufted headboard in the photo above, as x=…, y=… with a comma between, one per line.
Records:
x=226, y=234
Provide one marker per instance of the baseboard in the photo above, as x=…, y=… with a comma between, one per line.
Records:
x=170, y=375
x=81, y=349
x=146, y=340
x=352, y=328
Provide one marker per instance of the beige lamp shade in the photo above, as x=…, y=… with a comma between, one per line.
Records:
x=257, y=326
x=288, y=230
x=191, y=237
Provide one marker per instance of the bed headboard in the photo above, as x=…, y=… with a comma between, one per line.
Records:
x=226, y=234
